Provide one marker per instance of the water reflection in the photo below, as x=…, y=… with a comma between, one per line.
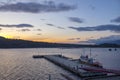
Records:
x=18, y=64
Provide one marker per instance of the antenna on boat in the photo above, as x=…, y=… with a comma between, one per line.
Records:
x=90, y=53
x=49, y=77
x=61, y=51
x=37, y=51
x=83, y=51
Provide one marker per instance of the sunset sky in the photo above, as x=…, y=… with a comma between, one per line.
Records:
x=61, y=21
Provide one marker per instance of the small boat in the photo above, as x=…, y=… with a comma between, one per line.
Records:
x=110, y=49
x=115, y=49
x=90, y=61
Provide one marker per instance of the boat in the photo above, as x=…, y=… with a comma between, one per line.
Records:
x=90, y=61
x=110, y=49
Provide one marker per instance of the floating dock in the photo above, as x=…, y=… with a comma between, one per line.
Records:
x=72, y=66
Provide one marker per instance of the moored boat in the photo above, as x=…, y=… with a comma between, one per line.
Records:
x=90, y=61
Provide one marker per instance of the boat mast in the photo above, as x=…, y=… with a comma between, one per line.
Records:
x=90, y=52
x=83, y=51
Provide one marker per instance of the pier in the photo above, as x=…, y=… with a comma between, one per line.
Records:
x=72, y=66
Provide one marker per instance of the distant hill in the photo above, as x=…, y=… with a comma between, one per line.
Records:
x=114, y=42
x=109, y=42
x=18, y=43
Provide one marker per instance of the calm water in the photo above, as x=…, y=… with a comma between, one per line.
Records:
x=18, y=64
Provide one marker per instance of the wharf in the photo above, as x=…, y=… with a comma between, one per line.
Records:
x=70, y=65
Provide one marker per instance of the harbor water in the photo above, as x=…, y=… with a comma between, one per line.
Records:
x=18, y=64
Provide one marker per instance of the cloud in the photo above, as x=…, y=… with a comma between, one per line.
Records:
x=39, y=34
x=55, y=26
x=16, y=25
x=0, y=29
x=38, y=29
x=76, y=19
x=50, y=24
x=43, y=19
x=108, y=39
x=33, y=7
x=25, y=30
x=117, y=20
x=92, y=7
x=74, y=39
x=110, y=27
x=60, y=27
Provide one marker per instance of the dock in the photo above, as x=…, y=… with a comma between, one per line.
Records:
x=72, y=66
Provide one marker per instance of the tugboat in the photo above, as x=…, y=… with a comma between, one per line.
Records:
x=90, y=61
x=85, y=59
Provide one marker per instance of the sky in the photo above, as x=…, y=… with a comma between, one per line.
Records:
x=61, y=21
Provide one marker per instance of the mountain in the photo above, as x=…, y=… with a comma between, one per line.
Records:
x=114, y=42
x=109, y=42
x=18, y=43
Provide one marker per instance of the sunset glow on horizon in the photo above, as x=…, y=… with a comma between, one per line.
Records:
x=63, y=21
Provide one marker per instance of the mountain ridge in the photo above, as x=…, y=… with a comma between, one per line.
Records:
x=19, y=43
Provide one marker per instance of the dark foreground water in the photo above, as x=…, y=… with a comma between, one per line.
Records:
x=18, y=64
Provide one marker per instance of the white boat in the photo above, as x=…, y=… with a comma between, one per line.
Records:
x=89, y=60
